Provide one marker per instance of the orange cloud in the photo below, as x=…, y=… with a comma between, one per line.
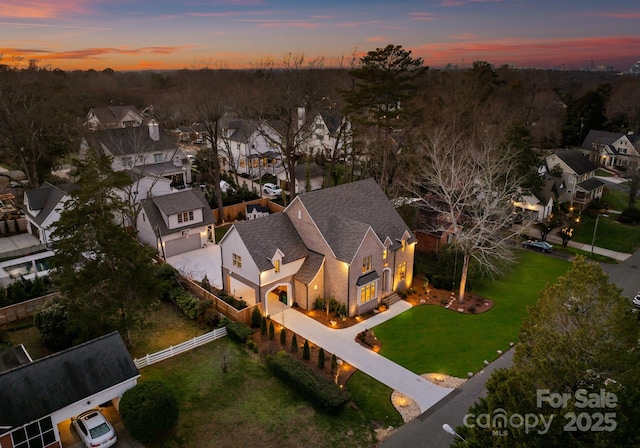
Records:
x=464, y=36
x=89, y=53
x=464, y=2
x=374, y=39
x=41, y=9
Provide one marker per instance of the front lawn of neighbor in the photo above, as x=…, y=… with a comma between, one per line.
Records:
x=430, y=338
x=610, y=234
x=247, y=406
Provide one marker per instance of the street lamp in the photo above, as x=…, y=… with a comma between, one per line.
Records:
x=450, y=430
x=593, y=239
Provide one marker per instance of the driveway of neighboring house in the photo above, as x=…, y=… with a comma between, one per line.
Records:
x=343, y=344
x=197, y=263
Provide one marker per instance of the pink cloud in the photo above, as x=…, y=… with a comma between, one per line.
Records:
x=375, y=39
x=422, y=15
x=464, y=2
x=41, y=9
x=464, y=36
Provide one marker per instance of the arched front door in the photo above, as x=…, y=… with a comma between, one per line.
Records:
x=386, y=280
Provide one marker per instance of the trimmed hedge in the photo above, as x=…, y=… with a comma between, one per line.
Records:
x=324, y=394
x=238, y=331
x=187, y=302
x=149, y=410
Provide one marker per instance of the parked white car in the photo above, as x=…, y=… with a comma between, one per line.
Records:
x=272, y=189
x=94, y=429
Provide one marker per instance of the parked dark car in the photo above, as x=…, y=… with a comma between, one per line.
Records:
x=542, y=246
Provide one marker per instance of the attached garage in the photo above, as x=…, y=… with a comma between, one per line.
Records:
x=181, y=245
x=242, y=291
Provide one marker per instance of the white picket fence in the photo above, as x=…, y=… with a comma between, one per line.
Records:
x=180, y=348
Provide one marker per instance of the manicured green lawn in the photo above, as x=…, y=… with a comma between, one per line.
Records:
x=431, y=338
x=247, y=406
x=615, y=199
x=610, y=234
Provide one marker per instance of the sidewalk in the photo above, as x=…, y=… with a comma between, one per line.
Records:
x=342, y=343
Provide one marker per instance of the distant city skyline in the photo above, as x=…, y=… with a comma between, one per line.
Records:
x=168, y=34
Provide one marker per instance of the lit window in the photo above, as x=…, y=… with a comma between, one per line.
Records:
x=254, y=163
x=366, y=264
x=242, y=164
x=385, y=252
x=185, y=217
x=276, y=265
x=402, y=271
x=368, y=292
x=237, y=260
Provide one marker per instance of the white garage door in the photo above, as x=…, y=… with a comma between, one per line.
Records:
x=181, y=245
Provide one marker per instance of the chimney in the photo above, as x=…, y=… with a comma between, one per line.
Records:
x=154, y=130
x=301, y=116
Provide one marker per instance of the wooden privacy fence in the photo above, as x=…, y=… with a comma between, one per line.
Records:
x=220, y=305
x=180, y=348
x=232, y=212
x=23, y=310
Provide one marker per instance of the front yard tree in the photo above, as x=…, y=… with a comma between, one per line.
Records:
x=581, y=334
x=105, y=275
x=633, y=184
x=381, y=101
x=471, y=183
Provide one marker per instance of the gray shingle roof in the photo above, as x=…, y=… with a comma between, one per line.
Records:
x=590, y=184
x=344, y=213
x=35, y=390
x=130, y=141
x=576, y=160
x=45, y=199
x=310, y=268
x=600, y=137
x=314, y=171
x=182, y=201
x=265, y=235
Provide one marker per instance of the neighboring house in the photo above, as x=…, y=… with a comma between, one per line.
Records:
x=252, y=145
x=540, y=206
x=28, y=267
x=579, y=184
x=612, y=149
x=433, y=229
x=307, y=177
x=184, y=134
x=327, y=133
x=146, y=150
x=113, y=117
x=40, y=397
x=42, y=208
x=255, y=211
x=176, y=223
x=346, y=242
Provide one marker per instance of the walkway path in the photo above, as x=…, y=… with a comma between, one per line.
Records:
x=342, y=343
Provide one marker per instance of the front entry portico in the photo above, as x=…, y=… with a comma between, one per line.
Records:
x=278, y=299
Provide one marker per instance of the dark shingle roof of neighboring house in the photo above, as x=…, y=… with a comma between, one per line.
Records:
x=345, y=212
x=591, y=184
x=332, y=119
x=600, y=138
x=45, y=199
x=112, y=114
x=309, y=269
x=35, y=390
x=264, y=236
x=243, y=128
x=130, y=141
x=171, y=204
x=13, y=357
x=576, y=160
x=314, y=171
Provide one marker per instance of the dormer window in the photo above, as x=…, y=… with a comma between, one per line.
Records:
x=185, y=216
x=276, y=265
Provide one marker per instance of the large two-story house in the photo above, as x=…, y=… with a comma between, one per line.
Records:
x=579, y=184
x=612, y=149
x=346, y=242
x=327, y=133
x=42, y=208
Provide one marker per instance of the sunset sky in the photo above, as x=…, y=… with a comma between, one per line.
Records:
x=167, y=34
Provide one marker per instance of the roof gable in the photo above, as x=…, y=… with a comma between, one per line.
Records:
x=343, y=214
x=263, y=237
x=44, y=199
x=576, y=161
x=174, y=203
x=35, y=390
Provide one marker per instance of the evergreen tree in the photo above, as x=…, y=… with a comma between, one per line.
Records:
x=272, y=331
x=321, y=359
x=105, y=275
x=263, y=326
x=306, y=355
x=294, y=343
x=283, y=337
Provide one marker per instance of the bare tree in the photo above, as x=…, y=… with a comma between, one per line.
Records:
x=472, y=184
x=633, y=183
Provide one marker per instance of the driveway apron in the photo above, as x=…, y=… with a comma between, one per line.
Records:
x=342, y=343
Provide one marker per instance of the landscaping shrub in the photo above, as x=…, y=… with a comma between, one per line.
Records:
x=263, y=326
x=52, y=321
x=471, y=309
x=321, y=359
x=283, y=337
x=272, y=331
x=148, y=410
x=238, y=331
x=323, y=393
x=341, y=310
x=187, y=302
x=256, y=318
x=238, y=304
x=334, y=364
x=630, y=216
x=305, y=351
x=294, y=344
x=319, y=304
